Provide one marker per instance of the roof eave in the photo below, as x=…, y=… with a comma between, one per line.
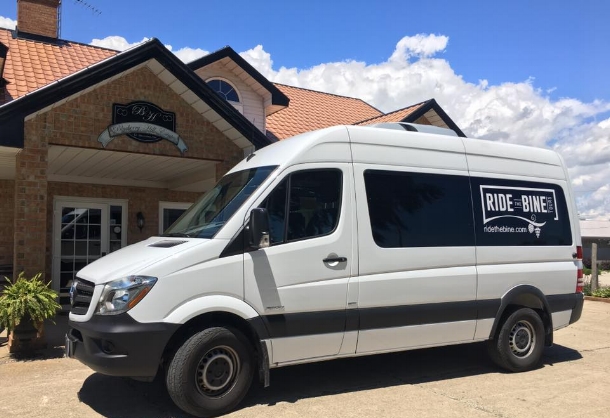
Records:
x=277, y=97
x=13, y=113
x=433, y=105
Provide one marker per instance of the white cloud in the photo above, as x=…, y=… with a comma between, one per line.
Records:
x=119, y=43
x=420, y=46
x=189, y=54
x=7, y=23
x=515, y=112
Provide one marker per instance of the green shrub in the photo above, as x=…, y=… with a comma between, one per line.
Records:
x=27, y=298
x=586, y=271
x=603, y=292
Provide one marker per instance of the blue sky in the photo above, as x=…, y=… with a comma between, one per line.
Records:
x=530, y=72
x=562, y=44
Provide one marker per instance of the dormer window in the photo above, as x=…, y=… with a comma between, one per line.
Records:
x=224, y=90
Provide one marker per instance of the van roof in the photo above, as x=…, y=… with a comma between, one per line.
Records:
x=483, y=155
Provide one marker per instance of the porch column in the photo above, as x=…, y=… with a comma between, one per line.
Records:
x=31, y=204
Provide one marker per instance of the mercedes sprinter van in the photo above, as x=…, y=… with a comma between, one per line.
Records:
x=336, y=243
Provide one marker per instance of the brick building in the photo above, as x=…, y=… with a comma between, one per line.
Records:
x=100, y=149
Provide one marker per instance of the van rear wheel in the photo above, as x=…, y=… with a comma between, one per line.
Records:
x=520, y=342
x=211, y=372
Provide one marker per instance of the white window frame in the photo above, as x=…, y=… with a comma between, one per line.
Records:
x=237, y=105
x=124, y=203
x=170, y=205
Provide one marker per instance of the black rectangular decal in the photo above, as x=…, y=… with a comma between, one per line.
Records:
x=519, y=213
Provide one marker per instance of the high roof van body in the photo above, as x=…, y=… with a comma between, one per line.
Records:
x=336, y=243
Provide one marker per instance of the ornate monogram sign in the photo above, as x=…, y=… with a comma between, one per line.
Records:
x=144, y=122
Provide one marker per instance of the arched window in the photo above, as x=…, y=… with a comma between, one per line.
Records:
x=224, y=89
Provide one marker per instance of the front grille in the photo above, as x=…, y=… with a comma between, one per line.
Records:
x=81, y=294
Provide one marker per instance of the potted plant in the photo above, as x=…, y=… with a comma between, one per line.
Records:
x=24, y=305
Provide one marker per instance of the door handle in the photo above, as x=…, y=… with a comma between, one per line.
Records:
x=335, y=260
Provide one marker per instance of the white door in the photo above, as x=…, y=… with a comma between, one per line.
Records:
x=299, y=284
x=82, y=233
x=417, y=283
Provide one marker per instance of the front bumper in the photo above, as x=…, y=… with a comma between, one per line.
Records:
x=119, y=345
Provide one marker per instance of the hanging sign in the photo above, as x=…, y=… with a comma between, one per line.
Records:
x=143, y=122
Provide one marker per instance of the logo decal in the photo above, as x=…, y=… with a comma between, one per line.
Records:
x=530, y=207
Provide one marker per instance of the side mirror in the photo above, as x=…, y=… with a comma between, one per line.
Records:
x=259, y=228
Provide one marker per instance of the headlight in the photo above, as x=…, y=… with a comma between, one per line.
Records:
x=121, y=295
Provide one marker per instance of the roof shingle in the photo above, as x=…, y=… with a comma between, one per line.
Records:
x=310, y=110
x=31, y=65
x=395, y=116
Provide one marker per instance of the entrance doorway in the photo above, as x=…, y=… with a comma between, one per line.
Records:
x=84, y=231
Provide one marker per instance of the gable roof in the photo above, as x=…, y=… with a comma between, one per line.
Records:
x=278, y=99
x=152, y=53
x=31, y=64
x=429, y=108
x=396, y=116
x=310, y=110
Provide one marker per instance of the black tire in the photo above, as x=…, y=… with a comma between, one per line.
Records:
x=211, y=372
x=520, y=342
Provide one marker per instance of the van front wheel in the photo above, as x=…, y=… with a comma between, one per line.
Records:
x=520, y=342
x=211, y=372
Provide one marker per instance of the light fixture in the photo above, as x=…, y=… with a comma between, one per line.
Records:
x=140, y=220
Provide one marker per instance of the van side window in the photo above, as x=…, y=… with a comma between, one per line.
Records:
x=419, y=210
x=519, y=213
x=310, y=201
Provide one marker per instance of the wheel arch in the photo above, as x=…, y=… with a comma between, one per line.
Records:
x=223, y=311
x=525, y=296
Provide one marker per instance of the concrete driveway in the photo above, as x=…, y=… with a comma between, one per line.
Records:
x=452, y=381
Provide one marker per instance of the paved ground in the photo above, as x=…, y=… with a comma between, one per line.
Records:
x=450, y=382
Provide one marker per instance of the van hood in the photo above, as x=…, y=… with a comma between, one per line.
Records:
x=136, y=257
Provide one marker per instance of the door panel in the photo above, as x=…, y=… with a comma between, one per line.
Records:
x=300, y=295
x=80, y=237
x=82, y=233
x=417, y=263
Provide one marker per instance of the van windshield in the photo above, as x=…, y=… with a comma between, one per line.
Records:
x=205, y=218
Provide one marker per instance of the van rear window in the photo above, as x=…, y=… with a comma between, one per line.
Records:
x=519, y=213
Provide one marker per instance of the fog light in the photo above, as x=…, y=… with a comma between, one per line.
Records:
x=107, y=347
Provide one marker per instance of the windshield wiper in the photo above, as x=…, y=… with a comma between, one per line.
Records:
x=177, y=234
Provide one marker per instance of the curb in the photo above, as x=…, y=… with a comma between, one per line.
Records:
x=595, y=299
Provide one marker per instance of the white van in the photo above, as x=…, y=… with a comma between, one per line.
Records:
x=337, y=243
